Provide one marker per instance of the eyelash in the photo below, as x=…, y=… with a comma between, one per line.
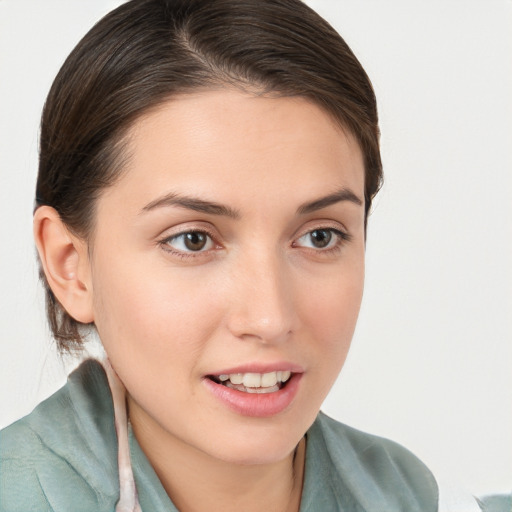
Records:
x=182, y=254
x=342, y=238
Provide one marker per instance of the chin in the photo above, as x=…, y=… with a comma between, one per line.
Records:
x=257, y=453
x=260, y=442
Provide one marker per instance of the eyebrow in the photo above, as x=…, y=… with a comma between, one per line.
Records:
x=192, y=203
x=213, y=208
x=344, y=194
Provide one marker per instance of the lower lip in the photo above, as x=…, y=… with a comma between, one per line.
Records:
x=260, y=405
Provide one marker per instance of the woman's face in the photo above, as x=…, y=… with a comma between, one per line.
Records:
x=233, y=244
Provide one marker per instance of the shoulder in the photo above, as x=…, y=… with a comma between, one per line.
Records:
x=62, y=456
x=372, y=452
x=370, y=472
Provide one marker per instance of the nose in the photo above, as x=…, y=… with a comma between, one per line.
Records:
x=262, y=303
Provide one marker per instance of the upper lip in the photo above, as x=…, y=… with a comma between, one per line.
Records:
x=260, y=368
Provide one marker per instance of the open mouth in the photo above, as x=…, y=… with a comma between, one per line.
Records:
x=254, y=382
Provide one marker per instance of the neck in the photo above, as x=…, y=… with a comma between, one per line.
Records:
x=195, y=481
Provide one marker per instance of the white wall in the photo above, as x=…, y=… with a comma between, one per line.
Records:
x=431, y=364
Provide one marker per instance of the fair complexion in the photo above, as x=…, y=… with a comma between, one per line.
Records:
x=232, y=243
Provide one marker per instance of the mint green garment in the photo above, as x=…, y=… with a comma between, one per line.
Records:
x=63, y=458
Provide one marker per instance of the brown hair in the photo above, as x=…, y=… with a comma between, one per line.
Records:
x=146, y=51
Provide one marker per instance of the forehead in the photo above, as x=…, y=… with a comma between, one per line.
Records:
x=227, y=141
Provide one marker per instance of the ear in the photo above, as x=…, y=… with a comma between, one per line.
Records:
x=65, y=262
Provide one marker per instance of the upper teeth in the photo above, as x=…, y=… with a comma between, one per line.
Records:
x=257, y=380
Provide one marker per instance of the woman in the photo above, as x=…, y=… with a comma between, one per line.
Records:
x=205, y=180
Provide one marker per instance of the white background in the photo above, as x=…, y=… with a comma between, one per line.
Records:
x=431, y=362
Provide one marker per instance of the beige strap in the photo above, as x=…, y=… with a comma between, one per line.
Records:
x=128, y=499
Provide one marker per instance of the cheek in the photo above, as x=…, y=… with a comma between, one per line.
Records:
x=152, y=315
x=330, y=309
x=333, y=304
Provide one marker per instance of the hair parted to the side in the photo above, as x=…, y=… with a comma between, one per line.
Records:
x=147, y=51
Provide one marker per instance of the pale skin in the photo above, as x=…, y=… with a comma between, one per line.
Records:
x=277, y=278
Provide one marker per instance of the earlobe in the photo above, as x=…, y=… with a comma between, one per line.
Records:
x=65, y=263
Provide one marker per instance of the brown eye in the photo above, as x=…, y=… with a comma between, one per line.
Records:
x=324, y=238
x=320, y=238
x=195, y=241
x=191, y=241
